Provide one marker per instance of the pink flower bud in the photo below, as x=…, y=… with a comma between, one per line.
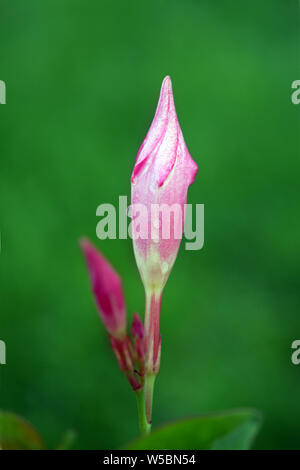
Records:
x=124, y=354
x=107, y=289
x=137, y=328
x=137, y=331
x=161, y=176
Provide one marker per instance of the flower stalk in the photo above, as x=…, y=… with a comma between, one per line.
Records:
x=144, y=426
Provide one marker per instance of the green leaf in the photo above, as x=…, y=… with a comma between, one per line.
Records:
x=233, y=429
x=16, y=433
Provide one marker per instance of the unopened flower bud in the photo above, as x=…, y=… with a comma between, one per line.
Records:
x=124, y=354
x=161, y=176
x=107, y=290
x=137, y=331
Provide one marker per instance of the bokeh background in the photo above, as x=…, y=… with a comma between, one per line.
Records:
x=83, y=80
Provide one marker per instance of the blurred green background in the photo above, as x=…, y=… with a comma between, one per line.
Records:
x=83, y=80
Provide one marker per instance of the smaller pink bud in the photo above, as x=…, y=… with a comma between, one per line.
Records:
x=137, y=328
x=107, y=290
x=124, y=354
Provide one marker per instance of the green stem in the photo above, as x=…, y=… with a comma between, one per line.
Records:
x=145, y=427
x=149, y=388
